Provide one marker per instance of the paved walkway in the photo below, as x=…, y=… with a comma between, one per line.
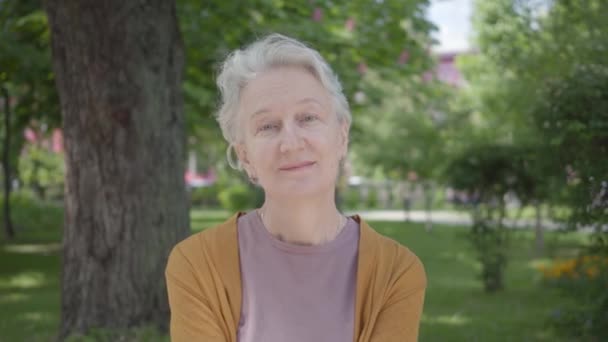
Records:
x=439, y=217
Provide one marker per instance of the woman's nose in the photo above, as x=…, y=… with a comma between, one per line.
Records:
x=290, y=138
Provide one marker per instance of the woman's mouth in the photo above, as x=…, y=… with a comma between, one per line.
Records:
x=296, y=166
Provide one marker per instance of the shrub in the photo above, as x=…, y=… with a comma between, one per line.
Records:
x=371, y=201
x=31, y=215
x=206, y=196
x=351, y=198
x=43, y=172
x=585, y=278
x=237, y=197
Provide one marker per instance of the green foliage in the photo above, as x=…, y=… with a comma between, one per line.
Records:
x=492, y=171
x=538, y=83
x=43, y=172
x=587, y=282
x=403, y=132
x=25, y=68
x=371, y=201
x=490, y=241
x=349, y=34
x=237, y=197
x=352, y=198
x=489, y=173
x=206, y=196
x=32, y=215
x=572, y=117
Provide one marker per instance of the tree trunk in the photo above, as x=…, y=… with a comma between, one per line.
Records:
x=6, y=166
x=118, y=67
x=429, y=196
x=538, y=231
x=407, y=196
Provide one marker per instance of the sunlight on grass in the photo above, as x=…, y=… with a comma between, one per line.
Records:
x=209, y=215
x=24, y=280
x=463, y=257
x=455, y=319
x=450, y=282
x=45, y=248
x=13, y=297
x=539, y=263
x=37, y=316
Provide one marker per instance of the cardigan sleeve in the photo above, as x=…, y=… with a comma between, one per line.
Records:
x=192, y=318
x=399, y=317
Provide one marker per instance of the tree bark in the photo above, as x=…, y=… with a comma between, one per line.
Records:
x=539, y=239
x=429, y=196
x=6, y=166
x=118, y=67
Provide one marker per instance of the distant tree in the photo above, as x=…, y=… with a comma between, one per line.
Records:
x=27, y=90
x=487, y=174
x=528, y=50
x=389, y=38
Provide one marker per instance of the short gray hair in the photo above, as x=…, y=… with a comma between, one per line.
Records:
x=274, y=50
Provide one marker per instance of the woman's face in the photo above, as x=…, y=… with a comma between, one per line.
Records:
x=292, y=139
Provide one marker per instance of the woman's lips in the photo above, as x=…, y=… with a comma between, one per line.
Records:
x=296, y=166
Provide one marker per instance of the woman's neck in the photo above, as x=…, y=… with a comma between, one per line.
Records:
x=304, y=222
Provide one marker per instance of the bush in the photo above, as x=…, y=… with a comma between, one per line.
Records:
x=43, y=172
x=371, y=201
x=351, y=198
x=490, y=244
x=206, y=196
x=237, y=197
x=585, y=278
x=32, y=215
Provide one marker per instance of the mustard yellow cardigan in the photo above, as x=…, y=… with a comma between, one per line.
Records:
x=204, y=287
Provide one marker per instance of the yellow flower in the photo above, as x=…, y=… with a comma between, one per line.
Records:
x=592, y=272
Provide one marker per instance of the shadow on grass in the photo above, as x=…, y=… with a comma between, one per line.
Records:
x=29, y=291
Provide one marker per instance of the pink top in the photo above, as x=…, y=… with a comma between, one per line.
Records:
x=296, y=293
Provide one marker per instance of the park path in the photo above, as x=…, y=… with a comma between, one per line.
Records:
x=440, y=217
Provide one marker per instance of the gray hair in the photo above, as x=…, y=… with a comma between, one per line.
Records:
x=274, y=50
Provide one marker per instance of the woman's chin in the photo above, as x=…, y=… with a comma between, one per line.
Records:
x=300, y=189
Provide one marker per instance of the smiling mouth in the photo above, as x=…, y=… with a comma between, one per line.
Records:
x=297, y=166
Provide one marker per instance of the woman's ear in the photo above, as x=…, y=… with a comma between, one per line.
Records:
x=344, y=131
x=241, y=153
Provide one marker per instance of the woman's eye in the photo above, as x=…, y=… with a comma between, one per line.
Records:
x=267, y=127
x=309, y=117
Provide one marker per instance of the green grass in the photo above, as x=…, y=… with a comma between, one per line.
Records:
x=456, y=308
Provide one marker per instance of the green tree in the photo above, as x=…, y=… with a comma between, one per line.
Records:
x=404, y=131
x=524, y=47
x=352, y=35
x=487, y=174
x=26, y=83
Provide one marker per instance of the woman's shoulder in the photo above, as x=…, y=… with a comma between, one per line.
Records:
x=210, y=243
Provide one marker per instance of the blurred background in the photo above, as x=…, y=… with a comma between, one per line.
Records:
x=479, y=140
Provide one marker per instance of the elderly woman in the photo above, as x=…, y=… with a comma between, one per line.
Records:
x=295, y=269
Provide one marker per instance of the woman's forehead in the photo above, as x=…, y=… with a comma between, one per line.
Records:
x=290, y=85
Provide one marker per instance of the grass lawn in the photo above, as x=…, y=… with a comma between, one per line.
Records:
x=456, y=308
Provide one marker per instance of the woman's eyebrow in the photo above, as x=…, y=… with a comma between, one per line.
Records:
x=309, y=100
x=302, y=101
x=260, y=111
